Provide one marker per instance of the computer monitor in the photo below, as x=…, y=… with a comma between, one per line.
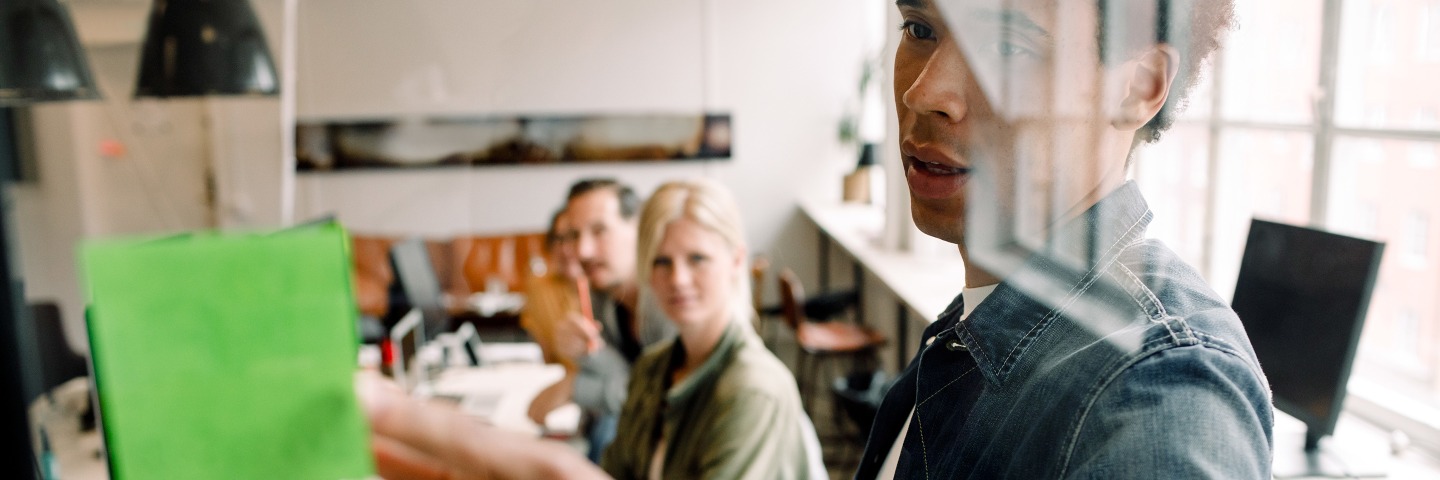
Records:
x=419, y=286
x=1302, y=295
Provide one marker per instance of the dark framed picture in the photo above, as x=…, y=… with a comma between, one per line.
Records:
x=518, y=140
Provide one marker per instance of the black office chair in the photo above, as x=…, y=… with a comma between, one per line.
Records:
x=417, y=286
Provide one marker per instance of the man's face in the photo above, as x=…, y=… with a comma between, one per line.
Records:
x=602, y=240
x=1007, y=119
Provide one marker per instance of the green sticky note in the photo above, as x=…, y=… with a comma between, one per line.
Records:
x=228, y=356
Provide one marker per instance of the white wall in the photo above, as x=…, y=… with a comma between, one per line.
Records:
x=784, y=70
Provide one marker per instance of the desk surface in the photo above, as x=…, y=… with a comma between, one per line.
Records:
x=925, y=283
x=501, y=395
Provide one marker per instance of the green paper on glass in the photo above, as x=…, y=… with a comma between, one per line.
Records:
x=227, y=355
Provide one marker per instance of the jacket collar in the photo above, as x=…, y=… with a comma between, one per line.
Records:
x=1062, y=279
x=730, y=342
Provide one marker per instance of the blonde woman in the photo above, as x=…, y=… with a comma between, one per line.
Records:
x=712, y=402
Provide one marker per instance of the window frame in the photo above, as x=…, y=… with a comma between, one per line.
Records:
x=1366, y=399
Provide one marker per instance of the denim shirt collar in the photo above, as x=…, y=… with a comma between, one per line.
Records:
x=1000, y=330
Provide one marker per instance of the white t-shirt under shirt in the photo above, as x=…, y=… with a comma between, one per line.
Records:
x=973, y=297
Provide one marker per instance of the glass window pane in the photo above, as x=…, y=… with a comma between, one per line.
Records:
x=1272, y=62
x=1379, y=190
x=1389, y=60
x=1175, y=177
x=1264, y=174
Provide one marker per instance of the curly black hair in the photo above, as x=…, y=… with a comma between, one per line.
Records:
x=1194, y=28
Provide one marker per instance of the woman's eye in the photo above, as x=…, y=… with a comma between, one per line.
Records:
x=917, y=30
x=661, y=262
x=697, y=258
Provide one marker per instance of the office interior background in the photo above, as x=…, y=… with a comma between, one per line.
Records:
x=1316, y=112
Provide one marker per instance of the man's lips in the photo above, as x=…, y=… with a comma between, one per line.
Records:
x=933, y=156
x=933, y=172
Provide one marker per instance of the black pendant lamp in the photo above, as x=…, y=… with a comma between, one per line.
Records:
x=40, y=58
x=205, y=47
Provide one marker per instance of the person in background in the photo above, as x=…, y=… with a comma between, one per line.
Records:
x=548, y=300
x=1078, y=349
x=713, y=402
x=601, y=236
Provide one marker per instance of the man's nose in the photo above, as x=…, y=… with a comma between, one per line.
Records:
x=940, y=87
x=585, y=246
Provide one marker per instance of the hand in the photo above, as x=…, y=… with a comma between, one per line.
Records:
x=551, y=398
x=416, y=440
x=577, y=336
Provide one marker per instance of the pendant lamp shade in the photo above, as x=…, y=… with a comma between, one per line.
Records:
x=40, y=58
x=205, y=47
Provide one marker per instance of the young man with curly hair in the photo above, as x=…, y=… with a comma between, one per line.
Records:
x=1078, y=348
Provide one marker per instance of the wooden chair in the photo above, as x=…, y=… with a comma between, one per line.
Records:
x=758, y=267
x=821, y=344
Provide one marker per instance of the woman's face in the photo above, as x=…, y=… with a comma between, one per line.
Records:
x=564, y=257
x=693, y=274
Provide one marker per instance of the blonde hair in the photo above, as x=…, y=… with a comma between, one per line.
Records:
x=708, y=204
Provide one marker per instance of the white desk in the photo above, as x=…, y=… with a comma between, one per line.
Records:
x=922, y=284
x=501, y=395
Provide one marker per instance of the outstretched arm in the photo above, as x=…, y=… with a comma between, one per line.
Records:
x=416, y=440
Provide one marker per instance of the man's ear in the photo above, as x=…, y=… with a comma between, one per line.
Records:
x=1150, y=77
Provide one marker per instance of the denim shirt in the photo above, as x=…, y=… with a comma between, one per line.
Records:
x=1104, y=356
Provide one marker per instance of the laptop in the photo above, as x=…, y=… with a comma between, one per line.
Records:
x=405, y=341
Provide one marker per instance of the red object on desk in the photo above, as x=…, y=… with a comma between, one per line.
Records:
x=387, y=352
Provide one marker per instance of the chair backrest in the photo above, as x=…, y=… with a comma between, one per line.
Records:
x=416, y=276
x=58, y=362
x=792, y=295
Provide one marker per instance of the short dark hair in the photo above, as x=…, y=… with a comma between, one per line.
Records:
x=1194, y=28
x=629, y=201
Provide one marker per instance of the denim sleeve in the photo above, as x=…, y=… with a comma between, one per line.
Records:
x=600, y=385
x=1186, y=412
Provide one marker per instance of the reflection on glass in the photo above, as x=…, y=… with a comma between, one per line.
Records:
x=1272, y=63
x=1379, y=190
x=1389, y=60
x=1175, y=177
x=1263, y=174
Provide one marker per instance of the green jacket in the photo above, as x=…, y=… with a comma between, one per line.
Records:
x=736, y=416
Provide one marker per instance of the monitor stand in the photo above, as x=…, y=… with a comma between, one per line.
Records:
x=1324, y=461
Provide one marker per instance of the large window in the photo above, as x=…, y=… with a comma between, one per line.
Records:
x=1324, y=113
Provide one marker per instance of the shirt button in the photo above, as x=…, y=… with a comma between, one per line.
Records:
x=929, y=341
x=954, y=345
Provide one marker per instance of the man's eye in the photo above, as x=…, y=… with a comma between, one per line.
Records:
x=917, y=31
x=1005, y=48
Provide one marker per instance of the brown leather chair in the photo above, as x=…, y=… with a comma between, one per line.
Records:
x=822, y=344
x=372, y=273
x=758, y=267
